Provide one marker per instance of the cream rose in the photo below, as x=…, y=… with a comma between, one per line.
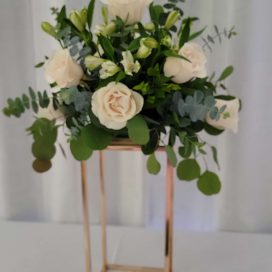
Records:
x=182, y=70
x=130, y=11
x=229, y=118
x=115, y=104
x=62, y=69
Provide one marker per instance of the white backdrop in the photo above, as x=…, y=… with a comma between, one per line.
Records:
x=134, y=197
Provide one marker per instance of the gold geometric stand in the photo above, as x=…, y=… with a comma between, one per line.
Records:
x=168, y=262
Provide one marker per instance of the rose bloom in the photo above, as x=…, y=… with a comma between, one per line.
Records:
x=130, y=11
x=229, y=118
x=182, y=70
x=62, y=69
x=115, y=104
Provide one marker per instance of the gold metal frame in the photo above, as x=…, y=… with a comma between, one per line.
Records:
x=125, y=145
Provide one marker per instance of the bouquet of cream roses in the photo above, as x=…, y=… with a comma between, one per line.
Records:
x=129, y=79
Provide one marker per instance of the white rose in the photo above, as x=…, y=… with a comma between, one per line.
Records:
x=62, y=69
x=50, y=113
x=229, y=118
x=115, y=104
x=130, y=11
x=182, y=70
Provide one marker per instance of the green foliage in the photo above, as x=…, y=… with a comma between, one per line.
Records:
x=44, y=130
x=185, y=32
x=43, y=152
x=138, y=130
x=153, y=165
x=211, y=39
x=16, y=107
x=226, y=73
x=44, y=133
x=214, y=155
x=209, y=183
x=195, y=107
x=81, y=100
x=80, y=150
x=188, y=170
x=41, y=166
x=171, y=155
x=107, y=46
x=90, y=13
x=96, y=138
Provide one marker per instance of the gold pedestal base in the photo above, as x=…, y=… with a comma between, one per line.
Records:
x=168, y=263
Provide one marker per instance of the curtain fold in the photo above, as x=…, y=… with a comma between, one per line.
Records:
x=245, y=202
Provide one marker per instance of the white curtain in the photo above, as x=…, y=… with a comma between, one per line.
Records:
x=134, y=197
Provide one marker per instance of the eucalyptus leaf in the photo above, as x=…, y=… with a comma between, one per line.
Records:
x=96, y=138
x=42, y=151
x=171, y=155
x=138, y=130
x=209, y=183
x=41, y=166
x=79, y=149
x=226, y=73
x=153, y=165
x=188, y=170
x=214, y=155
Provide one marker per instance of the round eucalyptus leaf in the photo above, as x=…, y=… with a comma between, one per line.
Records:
x=188, y=170
x=41, y=166
x=138, y=130
x=80, y=150
x=43, y=151
x=44, y=130
x=153, y=166
x=209, y=183
x=96, y=138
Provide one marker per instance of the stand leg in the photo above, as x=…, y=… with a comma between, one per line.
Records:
x=86, y=222
x=169, y=218
x=103, y=213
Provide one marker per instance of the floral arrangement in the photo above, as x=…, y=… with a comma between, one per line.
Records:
x=126, y=79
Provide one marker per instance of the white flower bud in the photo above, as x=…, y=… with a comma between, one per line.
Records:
x=172, y=19
x=93, y=62
x=150, y=42
x=75, y=18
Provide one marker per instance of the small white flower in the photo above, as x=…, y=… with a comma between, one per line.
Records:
x=182, y=70
x=115, y=104
x=129, y=65
x=108, y=69
x=229, y=118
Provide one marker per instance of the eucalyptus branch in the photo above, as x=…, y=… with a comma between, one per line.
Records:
x=211, y=39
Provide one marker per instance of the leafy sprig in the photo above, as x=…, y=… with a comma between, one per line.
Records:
x=16, y=107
